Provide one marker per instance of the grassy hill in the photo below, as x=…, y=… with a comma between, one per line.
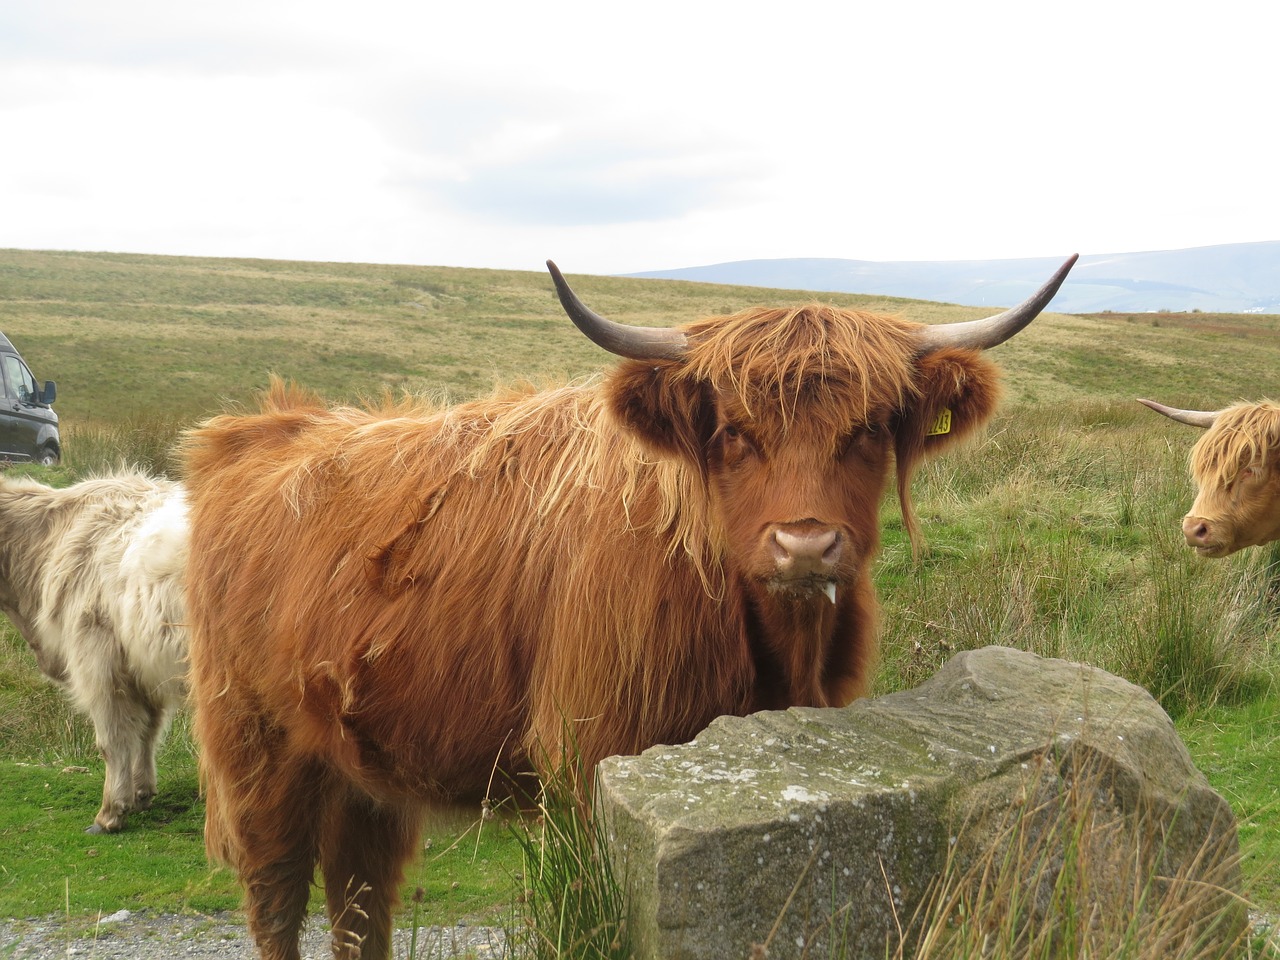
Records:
x=140, y=336
x=1056, y=531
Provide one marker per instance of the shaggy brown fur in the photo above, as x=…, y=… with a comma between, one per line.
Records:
x=1236, y=466
x=386, y=604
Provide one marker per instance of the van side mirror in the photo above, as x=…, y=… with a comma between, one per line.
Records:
x=49, y=393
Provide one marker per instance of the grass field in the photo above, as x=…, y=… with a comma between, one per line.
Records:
x=1056, y=531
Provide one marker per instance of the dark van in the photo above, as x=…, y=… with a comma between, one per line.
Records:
x=28, y=425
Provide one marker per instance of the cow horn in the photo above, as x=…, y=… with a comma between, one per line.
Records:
x=1193, y=418
x=993, y=331
x=634, y=343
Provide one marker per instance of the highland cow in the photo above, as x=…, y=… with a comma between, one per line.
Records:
x=389, y=604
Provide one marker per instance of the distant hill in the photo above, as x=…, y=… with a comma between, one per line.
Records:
x=1231, y=278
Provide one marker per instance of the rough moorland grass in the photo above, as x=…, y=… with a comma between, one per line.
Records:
x=1080, y=570
x=1049, y=885
x=1056, y=532
x=569, y=902
x=143, y=440
x=127, y=335
x=1059, y=534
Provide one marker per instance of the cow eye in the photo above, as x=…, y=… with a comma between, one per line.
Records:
x=860, y=443
x=1247, y=476
x=733, y=443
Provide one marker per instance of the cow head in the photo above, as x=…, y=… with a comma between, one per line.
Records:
x=1236, y=469
x=793, y=418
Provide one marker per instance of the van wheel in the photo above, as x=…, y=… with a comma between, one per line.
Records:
x=48, y=457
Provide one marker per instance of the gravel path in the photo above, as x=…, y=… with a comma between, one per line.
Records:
x=126, y=936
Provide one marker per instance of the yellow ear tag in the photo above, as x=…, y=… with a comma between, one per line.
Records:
x=942, y=424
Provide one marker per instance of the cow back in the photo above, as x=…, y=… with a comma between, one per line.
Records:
x=419, y=596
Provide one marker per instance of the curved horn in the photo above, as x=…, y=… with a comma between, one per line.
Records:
x=1193, y=418
x=634, y=343
x=993, y=331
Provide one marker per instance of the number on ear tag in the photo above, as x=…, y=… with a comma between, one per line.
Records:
x=942, y=424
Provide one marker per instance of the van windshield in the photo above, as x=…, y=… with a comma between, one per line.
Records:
x=22, y=385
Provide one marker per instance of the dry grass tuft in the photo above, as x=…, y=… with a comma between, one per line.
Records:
x=1061, y=875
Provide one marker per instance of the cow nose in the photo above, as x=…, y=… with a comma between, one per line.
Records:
x=1196, y=530
x=807, y=551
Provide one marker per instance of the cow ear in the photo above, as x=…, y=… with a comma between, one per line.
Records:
x=958, y=391
x=667, y=411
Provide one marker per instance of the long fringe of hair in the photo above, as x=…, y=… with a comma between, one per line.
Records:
x=1243, y=435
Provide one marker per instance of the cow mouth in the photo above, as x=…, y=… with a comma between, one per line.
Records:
x=806, y=588
x=1210, y=550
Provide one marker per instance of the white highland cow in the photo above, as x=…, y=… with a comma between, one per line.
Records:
x=92, y=577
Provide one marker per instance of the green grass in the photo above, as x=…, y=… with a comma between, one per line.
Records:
x=145, y=337
x=1237, y=747
x=1055, y=532
x=569, y=902
x=51, y=784
x=48, y=865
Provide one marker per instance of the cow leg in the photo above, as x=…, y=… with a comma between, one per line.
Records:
x=276, y=896
x=113, y=813
x=263, y=808
x=266, y=828
x=144, y=761
x=121, y=719
x=363, y=851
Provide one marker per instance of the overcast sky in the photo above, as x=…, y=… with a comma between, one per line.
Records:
x=624, y=136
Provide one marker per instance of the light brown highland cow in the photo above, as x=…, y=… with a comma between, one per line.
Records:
x=1236, y=468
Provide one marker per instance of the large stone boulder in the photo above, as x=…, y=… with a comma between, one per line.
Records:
x=815, y=833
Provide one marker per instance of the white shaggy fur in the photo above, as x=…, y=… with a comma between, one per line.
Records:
x=92, y=576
